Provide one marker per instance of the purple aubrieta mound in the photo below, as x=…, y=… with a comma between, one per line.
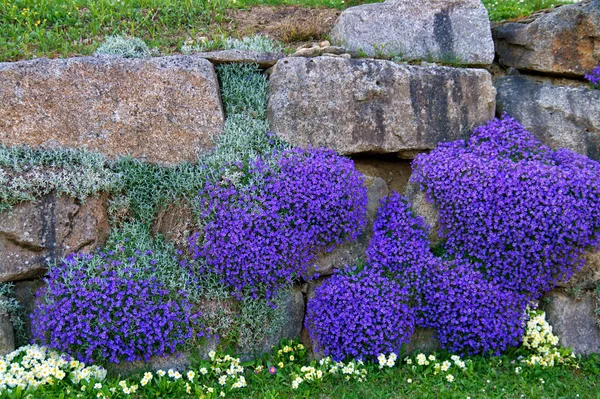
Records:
x=265, y=222
x=109, y=313
x=523, y=213
x=470, y=314
x=400, y=244
x=359, y=314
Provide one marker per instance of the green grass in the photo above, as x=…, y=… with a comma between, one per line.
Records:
x=61, y=28
x=482, y=377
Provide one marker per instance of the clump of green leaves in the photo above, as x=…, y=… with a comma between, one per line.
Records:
x=124, y=46
x=258, y=43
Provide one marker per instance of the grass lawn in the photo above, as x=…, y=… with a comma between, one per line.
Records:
x=60, y=28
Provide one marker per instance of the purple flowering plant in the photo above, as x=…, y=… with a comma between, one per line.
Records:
x=359, y=313
x=516, y=218
x=266, y=219
x=469, y=314
x=400, y=245
x=521, y=212
x=594, y=77
x=110, y=306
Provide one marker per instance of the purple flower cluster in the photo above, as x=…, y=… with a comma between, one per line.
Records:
x=97, y=308
x=470, y=314
x=400, y=244
x=265, y=223
x=594, y=77
x=524, y=214
x=359, y=314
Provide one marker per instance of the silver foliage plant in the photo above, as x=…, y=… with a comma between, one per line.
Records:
x=259, y=43
x=124, y=46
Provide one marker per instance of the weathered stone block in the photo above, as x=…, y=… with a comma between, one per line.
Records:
x=588, y=277
x=565, y=40
x=434, y=30
x=423, y=340
x=176, y=222
x=7, y=336
x=426, y=209
x=374, y=106
x=35, y=233
x=264, y=60
x=25, y=293
x=575, y=322
x=395, y=172
x=560, y=116
x=162, y=109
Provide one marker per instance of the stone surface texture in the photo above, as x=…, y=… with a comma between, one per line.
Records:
x=294, y=310
x=561, y=117
x=564, y=40
x=374, y=106
x=25, y=293
x=264, y=60
x=176, y=222
x=395, y=172
x=423, y=340
x=427, y=210
x=162, y=109
x=574, y=321
x=35, y=233
x=7, y=336
x=433, y=30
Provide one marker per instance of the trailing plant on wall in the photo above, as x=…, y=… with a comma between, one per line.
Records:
x=516, y=217
x=469, y=313
x=522, y=213
x=359, y=314
x=276, y=217
x=105, y=307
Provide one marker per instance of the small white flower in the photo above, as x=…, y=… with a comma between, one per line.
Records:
x=191, y=375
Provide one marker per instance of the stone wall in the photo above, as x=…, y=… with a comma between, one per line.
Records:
x=380, y=112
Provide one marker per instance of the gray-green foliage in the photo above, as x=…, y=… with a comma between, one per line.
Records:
x=257, y=43
x=28, y=173
x=123, y=46
x=141, y=187
x=243, y=90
